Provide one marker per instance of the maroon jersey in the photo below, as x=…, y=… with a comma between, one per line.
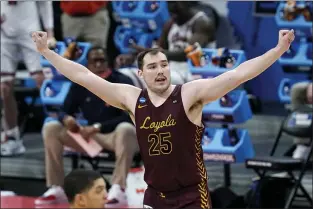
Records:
x=170, y=144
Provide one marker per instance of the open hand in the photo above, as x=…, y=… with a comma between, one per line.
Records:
x=41, y=40
x=285, y=39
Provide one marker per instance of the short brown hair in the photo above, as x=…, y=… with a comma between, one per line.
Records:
x=142, y=55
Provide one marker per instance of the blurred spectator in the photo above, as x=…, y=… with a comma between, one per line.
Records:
x=85, y=189
x=86, y=20
x=187, y=25
x=109, y=126
x=301, y=95
x=18, y=19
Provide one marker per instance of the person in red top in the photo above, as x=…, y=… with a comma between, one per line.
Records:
x=87, y=20
x=168, y=118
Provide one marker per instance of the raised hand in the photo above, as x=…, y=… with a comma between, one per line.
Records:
x=41, y=40
x=285, y=39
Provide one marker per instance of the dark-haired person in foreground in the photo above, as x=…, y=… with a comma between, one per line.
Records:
x=168, y=117
x=85, y=189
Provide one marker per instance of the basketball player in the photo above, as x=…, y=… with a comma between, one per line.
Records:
x=167, y=117
x=18, y=18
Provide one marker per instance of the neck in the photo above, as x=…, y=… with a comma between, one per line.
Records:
x=154, y=95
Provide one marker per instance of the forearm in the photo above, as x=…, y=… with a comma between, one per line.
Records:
x=68, y=68
x=254, y=67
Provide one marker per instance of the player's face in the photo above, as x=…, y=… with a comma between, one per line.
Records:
x=97, y=61
x=156, y=72
x=95, y=197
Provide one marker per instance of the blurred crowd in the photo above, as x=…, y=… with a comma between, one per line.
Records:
x=93, y=22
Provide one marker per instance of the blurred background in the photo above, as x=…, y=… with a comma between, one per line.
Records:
x=263, y=125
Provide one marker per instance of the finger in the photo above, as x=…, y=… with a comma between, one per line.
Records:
x=37, y=37
x=33, y=37
x=45, y=35
x=291, y=32
x=291, y=35
x=32, y=34
x=41, y=33
x=284, y=31
x=283, y=34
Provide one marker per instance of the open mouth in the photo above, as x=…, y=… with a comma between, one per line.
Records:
x=160, y=79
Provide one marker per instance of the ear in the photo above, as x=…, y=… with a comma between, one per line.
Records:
x=140, y=73
x=80, y=199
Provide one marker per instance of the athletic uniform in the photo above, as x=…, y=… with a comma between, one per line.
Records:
x=170, y=145
x=18, y=19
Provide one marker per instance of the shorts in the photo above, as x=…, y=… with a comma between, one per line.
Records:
x=14, y=49
x=189, y=197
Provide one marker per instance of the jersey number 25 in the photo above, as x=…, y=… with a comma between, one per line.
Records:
x=160, y=144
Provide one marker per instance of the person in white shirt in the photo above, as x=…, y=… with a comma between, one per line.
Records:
x=18, y=20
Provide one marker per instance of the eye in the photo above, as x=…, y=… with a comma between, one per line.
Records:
x=99, y=190
x=152, y=67
x=164, y=65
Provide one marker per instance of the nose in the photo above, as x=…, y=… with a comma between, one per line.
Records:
x=160, y=69
x=98, y=64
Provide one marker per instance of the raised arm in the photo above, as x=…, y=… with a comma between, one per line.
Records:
x=207, y=90
x=122, y=96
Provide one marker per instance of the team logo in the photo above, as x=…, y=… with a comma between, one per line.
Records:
x=142, y=106
x=142, y=100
